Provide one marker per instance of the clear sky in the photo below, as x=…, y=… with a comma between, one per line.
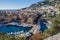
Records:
x=16, y=4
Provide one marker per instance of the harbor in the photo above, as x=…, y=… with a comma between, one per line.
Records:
x=35, y=29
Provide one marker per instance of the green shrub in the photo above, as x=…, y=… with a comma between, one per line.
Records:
x=54, y=29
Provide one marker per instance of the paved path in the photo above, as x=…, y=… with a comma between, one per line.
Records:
x=55, y=37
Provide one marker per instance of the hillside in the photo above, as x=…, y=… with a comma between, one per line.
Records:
x=47, y=8
x=44, y=8
x=46, y=12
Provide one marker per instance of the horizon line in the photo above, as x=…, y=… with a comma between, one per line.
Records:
x=17, y=8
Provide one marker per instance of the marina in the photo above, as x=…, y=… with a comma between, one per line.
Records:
x=22, y=29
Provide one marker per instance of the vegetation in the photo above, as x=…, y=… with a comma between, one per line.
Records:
x=31, y=15
x=55, y=27
x=22, y=38
x=3, y=36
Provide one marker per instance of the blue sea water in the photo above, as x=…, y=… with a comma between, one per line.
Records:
x=42, y=25
x=12, y=28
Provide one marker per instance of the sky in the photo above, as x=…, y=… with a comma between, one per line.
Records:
x=16, y=4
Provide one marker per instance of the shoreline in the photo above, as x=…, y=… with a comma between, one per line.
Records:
x=35, y=29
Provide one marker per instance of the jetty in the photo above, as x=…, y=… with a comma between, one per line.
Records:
x=35, y=29
x=22, y=24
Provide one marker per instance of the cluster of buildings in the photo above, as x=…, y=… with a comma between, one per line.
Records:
x=29, y=14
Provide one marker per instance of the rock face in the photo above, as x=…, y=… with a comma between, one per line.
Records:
x=55, y=37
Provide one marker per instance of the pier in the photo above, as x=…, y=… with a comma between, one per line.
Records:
x=35, y=29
